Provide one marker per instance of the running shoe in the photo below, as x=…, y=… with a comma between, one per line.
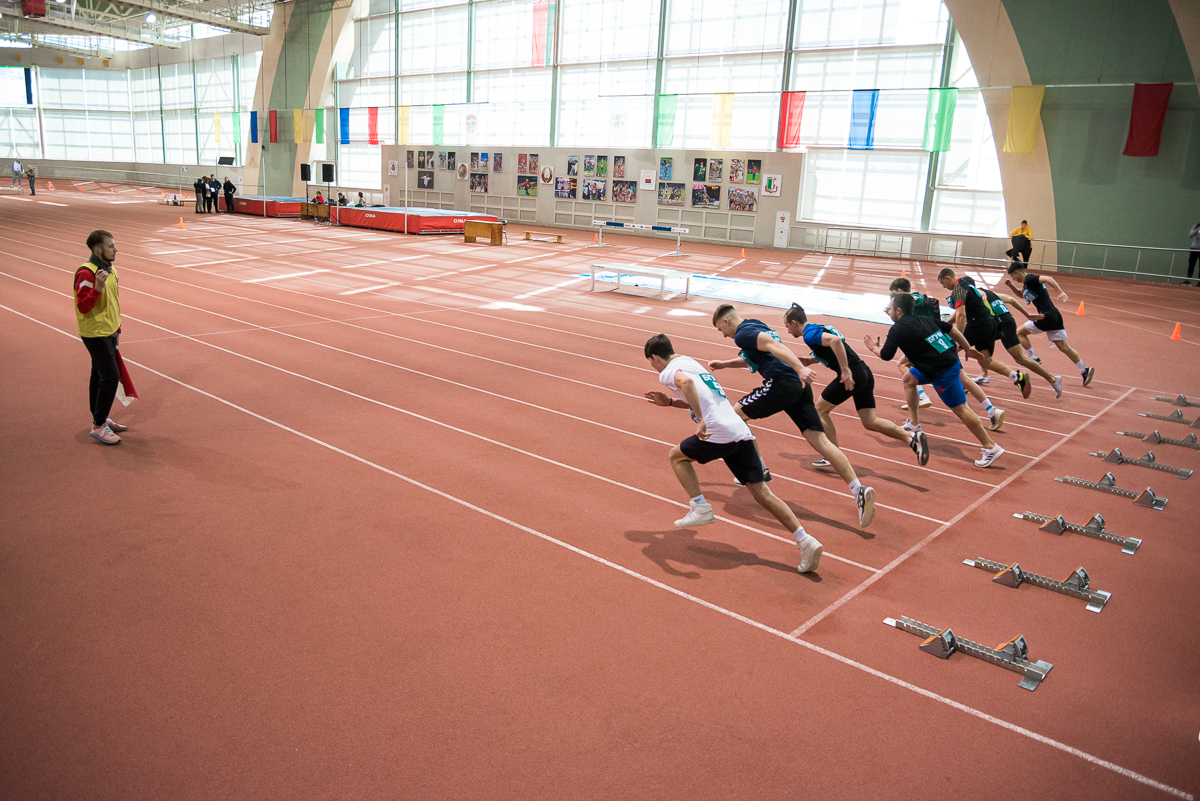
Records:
x=908, y=426
x=1057, y=387
x=920, y=445
x=1023, y=383
x=981, y=379
x=822, y=463
x=865, y=499
x=1087, y=375
x=987, y=457
x=997, y=418
x=105, y=435
x=699, y=514
x=923, y=402
x=810, y=553
x=117, y=427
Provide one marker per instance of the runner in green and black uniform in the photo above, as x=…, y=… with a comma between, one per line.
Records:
x=1033, y=289
x=975, y=317
x=924, y=306
x=1009, y=338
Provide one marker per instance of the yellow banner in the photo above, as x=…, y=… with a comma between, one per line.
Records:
x=402, y=113
x=297, y=125
x=722, y=121
x=217, y=127
x=1024, y=111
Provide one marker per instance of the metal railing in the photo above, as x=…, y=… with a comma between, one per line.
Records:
x=176, y=180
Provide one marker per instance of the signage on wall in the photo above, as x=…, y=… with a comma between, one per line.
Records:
x=782, y=224
x=648, y=179
x=770, y=185
x=393, y=168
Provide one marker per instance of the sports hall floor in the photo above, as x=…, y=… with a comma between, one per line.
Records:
x=392, y=520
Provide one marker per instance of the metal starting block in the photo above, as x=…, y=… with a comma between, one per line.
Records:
x=1174, y=417
x=1075, y=585
x=1154, y=438
x=1012, y=655
x=1108, y=484
x=1180, y=401
x=1116, y=457
x=1093, y=529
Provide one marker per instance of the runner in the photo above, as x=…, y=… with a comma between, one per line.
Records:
x=720, y=434
x=929, y=346
x=854, y=380
x=1008, y=335
x=786, y=388
x=975, y=317
x=1033, y=289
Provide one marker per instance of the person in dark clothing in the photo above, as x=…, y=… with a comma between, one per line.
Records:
x=1022, y=243
x=214, y=187
x=229, y=190
x=1193, y=254
x=29, y=175
x=975, y=317
x=201, y=190
x=1049, y=319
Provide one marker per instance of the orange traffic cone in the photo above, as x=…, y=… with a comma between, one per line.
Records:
x=180, y=223
x=1175, y=334
x=80, y=188
x=162, y=193
x=139, y=192
x=743, y=254
x=110, y=189
x=903, y=273
x=596, y=237
x=52, y=186
x=1080, y=313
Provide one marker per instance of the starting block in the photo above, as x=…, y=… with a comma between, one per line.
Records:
x=1179, y=401
x=1154, y=438
x=1074, y=585
x=1108, y=484
x=1116, y=457
x=1012, y=655
x=1094, y=529
x=1174, y=417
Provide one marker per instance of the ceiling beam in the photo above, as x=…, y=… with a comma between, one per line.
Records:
x=56, y=26
x=175, y=11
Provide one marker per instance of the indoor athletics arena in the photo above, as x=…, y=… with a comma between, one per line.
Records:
x=599, y=399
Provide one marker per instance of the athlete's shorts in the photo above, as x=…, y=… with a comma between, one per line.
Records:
x=864, y=389
x=1008, y=331
x=949, y=385
x=793, y=397
x=741, y=457
x=981, y=335
x=1051, y=325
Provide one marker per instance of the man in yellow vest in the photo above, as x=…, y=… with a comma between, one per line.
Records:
x=98, y=315
x=1022, y=243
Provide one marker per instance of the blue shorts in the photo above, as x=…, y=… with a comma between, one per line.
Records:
x=948, y=385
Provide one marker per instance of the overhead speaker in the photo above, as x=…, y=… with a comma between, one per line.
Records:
x=305, y=172
x=327, y=172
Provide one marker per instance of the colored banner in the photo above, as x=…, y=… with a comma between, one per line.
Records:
x=254, y=127
x=344, y=125
x=306, y=127
x=273, y=124
x=29, y=86
x=217, y=127
x=439, y=117
x=664, y=133
x=791, y=108
x=863, y=105
x=543, y=32
x=402, y=124
x=297, y=125
x=1146, y=118
x=237, y=127
x=722, y=119
x=319, y=125
x=373, y=125
x=1024, y=110
x=939, y=119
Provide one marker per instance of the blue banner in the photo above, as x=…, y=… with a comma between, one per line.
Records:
x=862, y=119
x=344, y=116
x=253, y=126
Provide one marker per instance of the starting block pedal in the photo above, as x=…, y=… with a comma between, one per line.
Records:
x=1074, y=585
x=1174, y=417
x=1116, y=457
x=1179, y=401
x=1154, y=438
x=1094, y=529
x=1012, y=655
x=1108, y=484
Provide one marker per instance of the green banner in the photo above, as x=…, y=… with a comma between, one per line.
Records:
x=319, y=115
x=237, y=127
x=664, y=135
x=439, y=114
x=939, y=119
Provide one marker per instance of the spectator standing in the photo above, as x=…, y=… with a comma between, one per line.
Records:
x=98, y=318
x=229, y=190
x=16, y=171
x=215, y=186
x=29, y=175
x=199, y=187
x=1193, y=255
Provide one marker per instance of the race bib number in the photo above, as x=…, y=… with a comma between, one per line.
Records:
x=712, y=384
x=999, y=307
x=1029, y=296
x=941, y=343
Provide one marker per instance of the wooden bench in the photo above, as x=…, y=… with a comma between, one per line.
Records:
x=529, y=237
x=488, y=229
x=645, y=271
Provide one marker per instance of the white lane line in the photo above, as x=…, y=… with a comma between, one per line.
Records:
x=265, y=279
x=979, y=714
x=548, y=288
x=371, y=288
x=49, y=203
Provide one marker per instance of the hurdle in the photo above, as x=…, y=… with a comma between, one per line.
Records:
x=679, y=232
x=1076, y=585
x=1012, y=655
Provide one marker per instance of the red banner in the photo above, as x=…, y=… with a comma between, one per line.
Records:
x=373, y=125
x=274, y=123
x=1146, y=118
x=791, y=108
x=543, y=16
x=33, y=8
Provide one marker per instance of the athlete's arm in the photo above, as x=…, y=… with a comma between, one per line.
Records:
x=960, y=317
x=663, y=399
x=1046, y=281
x=1019, y=305
x=961, y=341
x=839, y=351
x=688, y=388
x=718, y=364
x=768, y=344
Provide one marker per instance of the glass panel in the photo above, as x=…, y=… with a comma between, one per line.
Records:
x=586, y=118
x=503, y=34
x=608, y=29
x=864, y=188
x=374, y=43
x=20, y=128
x=62, y=89
x=66, y=134
x=12, y=86
x=838, y=23
x=721, y=26
x=434, y=40
x=360, y=165
x=518, y=110
x=417, y=90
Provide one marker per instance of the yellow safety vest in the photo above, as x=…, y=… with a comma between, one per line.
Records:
x=105, y=317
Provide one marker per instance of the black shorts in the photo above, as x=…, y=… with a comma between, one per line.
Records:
x=1008, y=331
x=981, y=335
x=793, y=397
x=864, y=389
x=741, y=457
x=1051, y=322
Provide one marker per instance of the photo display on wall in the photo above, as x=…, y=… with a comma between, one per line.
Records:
x=572, y=165
x=618, y=166
x=420, y=160
x=737, y=171
x=441, y=159
x=497, y=162
x=411, y=157
x=624, y=192
x=664, y=168
x=601, y=166
x=593, y=188
x=425, y=179
x=527, y=185
x=706, y=196
x=483, y=162
x=533, y=164
x=565, y=188
x=670, y=194
x=753, y=171
x=589, y=166
x=430, y=159
x=742, y=198
x=547, y=174
x=474, y=162
x=715, y=168
x=700, y=170
x=479, y=182
x=771, y=185
x=450, y=161
x=523, y=164
x=462, y=172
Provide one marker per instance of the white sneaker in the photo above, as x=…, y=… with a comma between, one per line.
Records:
x=997, y=418
x=981, y=379
x=923, y=402
x=909, y=427
x=865, y=500
x=822, y=463
x=1057, y=387
x=699, y=514
x=810, y=553
x=987, y=457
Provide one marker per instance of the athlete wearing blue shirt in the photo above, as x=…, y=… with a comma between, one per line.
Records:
x=786, y=388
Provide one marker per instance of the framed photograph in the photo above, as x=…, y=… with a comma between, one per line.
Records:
x=497, y=162
x=547, y=174
x=700, y=170
x=737, y=171
x=589, y=166
x=624, y=191
x=601, y=166
x=533, y=164
x=393, y=168
x=430, y=159
x=425, y=179
x=753, y=171
x=523, y=164
x=742, y=198
x=462, y=172
x=771, y=185
x=483, y=162
x=706, y=196
x=411, y=157
x=618, y=166
x=441, y=159
x=527, y=185
x=593, y=189
x=572, y=165
x=474, y=162
x=715, y=168
x=450, y=159
x=565, y=188
x=670, y=194
x=664, y=169
x=479, y=182
x=420, y=159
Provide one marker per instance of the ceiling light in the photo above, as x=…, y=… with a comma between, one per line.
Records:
x=150, y=18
